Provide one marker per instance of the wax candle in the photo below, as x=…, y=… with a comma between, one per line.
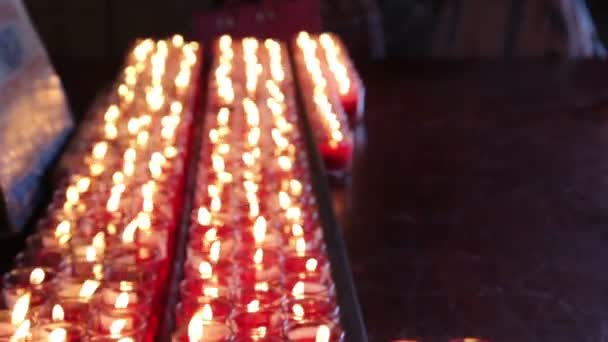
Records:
x=313, y=331
x=255, y=320
x=311, y=308
x=211, y=309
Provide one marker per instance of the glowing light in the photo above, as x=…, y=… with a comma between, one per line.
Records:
x=298, y=311
x=284, y=200
x=301, y=246
x=57, y=313
x=214, y=251
x=195, y=327
x=177, y=40
x=205, y=270
x=63, y=228
x=207, y=313
x=212, y=292
x=100, y=149
x=203, y=216
x=58, y=335
x=284, y=163
x=22, y=331
x=216, y=204
x=88, y=288
x=20, y=309
x=90, y=253
x=298, y=289
x=122, y=301
x=83, y=184
x=128, y=235
x=37, y=276
x=262, y=286
x=311, y=265
x=117, y=326
x=296, y=187
x=176, y=107
x=323, y=334
x=258, y=256
x=259, y=230
x=211, y=234
x=223, y=116
x=253, y=306
x=112, y=113
x=297, y=230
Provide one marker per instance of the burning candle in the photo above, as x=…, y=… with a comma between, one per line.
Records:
x=33, y=281
x=313, y=331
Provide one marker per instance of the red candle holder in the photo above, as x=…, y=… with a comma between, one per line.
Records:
x=256, y=321
x=308, y=265
x=34, y=280
x=304, y=308
x=122, y=297
x=212, y=332
x=131, y=275
x=195, y=288
x=336, y=157
x=269, y=295
x=307, y=331
x=218, y=309
x=258, y=265
x=140, y=255
x=68, y=331
x=318, y=285
x=112, y=324
x=220, y=273
x=50, y=258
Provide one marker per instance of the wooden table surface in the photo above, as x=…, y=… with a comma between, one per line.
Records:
x=479, y=201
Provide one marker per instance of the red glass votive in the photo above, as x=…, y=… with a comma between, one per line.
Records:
x=42, y=333
x=350, y=102
x=212, y=332
x=257, y=322
x=122, y=296
x=220, y=273
x=269, y=295
x=221, y=309
x=50, y=258
x=336, y=157
x=199, y=245
x=259, y=339
x=34, y=280
x=126, y=274
x=272, y=240
x=307, y=331
x=258, y=265
x=311, y=265
x=309, y=285
x=141, y=255
x=111, y=323
x=81, y=269
x=311, y=308
x=195, y=288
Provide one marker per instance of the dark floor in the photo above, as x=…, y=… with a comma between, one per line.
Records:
x=479, y=203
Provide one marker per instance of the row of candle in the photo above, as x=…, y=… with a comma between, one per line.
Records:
x=256, y=268
x=321, y=72
x=343, y=76
x=96, y=267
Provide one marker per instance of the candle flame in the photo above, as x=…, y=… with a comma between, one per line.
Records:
x=112, y=113
x=22, y=331
x=90, y=253
x=296, y=187
x=297, y=230
x=58, y=335
x=20, y=309
x=298, y=311
x=258, y=257
x=88, y=288
x=126, y=339
x=223, y=116
x=176, y=107
x=298, y=289
x=99, y=241
x=253, y=306
x=100, y=149
x=117, y=326
x=63, y=228
x=72, y=195
x=207, y=313
x=259, y=230
x=323, y=334
x=284, y=163
x=216, y=204
x=212, y=292
x=211, y=234
x=122, y=301
x=311, y=264
x=252, y=112
x=57, y=313
x=253, y=137
x=203, y=216
x=284, y=200
x=128, y=235
x=83, y=184
x=37, y=276
x=214, y=251
x=300, y=246
x=98, y=271
x=262, y=286
x=195, y=327
x=205, y=270
x=293, y=213
x=213, y=190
